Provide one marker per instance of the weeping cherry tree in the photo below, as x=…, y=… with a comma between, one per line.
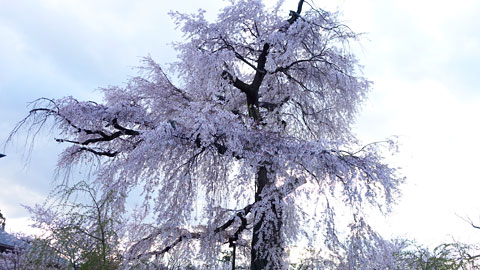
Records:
x=228, y=143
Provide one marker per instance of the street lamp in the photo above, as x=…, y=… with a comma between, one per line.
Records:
x=2, y=155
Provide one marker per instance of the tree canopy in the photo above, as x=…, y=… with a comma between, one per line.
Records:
x=256, y=122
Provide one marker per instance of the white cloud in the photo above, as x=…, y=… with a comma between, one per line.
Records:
x=12, y=197
x=438, y=155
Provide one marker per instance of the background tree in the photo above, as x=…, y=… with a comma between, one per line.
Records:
x=79, y=229
x=257, y=122
x=445, y=256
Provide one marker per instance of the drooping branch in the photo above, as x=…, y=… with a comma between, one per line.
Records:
x=58, y=114
x=283, y=191
x=240, y=214
x=470, y=221
x=103, y=136
x=172, y=245
x=99, y=153
x=99, y=136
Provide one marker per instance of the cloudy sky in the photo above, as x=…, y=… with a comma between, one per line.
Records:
x=422, y=55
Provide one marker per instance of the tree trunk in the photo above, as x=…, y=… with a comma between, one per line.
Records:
x=267, y=243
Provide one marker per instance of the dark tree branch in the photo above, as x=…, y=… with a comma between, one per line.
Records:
x=124, y=131
x=221, y=149
x=295, y=15
x=290, y=187
x=470, y=222
x=235, y=81
x=290, y=77
x=104, y=137
x=240, y=214
x=174, y=243
x=283, y=190
x=239, y=230
x=237, y=55
x=314, y=58
x=271, y=106
x=57, y=113
x=260, y=74
x=99, y=153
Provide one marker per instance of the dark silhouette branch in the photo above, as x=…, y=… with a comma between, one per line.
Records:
x=240, y=214
x=295, y=15
x=272, y=106
x=237, y=55
x=283, y=190
x=235, y=81
x=470, y=222
x=99, y=153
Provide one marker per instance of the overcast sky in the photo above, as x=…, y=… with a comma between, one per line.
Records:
x=422, y=55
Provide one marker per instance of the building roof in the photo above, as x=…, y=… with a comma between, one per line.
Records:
x=9, y=241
